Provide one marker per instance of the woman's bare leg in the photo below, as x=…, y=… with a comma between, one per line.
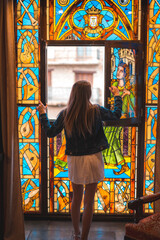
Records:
x=75, y=209
x=88, y=209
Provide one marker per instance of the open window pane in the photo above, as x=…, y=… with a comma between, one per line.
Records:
x=66, y=65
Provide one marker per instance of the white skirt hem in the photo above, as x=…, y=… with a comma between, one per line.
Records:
x=86, y=169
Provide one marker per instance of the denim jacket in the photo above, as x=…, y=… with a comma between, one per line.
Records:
x=77, y=145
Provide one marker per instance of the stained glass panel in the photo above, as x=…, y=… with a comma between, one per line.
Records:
x=28, y=124
x=123, y=76
x=152, y=82
x=153, y=35
x=117, y=188
x=150, y=149
x=28, y=51
x=93, y=20
x=27, y=25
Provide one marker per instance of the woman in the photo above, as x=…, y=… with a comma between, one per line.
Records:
x=85, y=139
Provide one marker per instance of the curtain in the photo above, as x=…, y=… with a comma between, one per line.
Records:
x=13, y=218
x=157, y=157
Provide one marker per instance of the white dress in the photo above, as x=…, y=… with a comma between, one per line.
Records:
x=86, y=169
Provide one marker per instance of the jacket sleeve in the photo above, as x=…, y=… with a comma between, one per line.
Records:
x=107, y=114
x=55, y=128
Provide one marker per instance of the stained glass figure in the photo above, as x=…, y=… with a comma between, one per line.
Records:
x=123, y=76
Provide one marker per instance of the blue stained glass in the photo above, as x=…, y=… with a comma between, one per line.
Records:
x=29, y=187
x=36, y=35
x=117, y=59
x=99, y=205
x=92, y=35
x=107, y=4
x=61, y=9
x=153, y=78
x=26, y=118
x=151, y=34
x=158, y=19
x=108, y=173
x=127, y=10
x=113, y=37
x=156, y=79
x=108, y=18
x=122, y=29
x=64, y=30
x=149, y=147
x=79, y=4
x=151, y=70
x=63, y=174
x=156, y=6
x=26, y=21
x=34, y=70
x=93, y=3
x=66, y=183
x=153, y=120
x=148, y=183
x=103, y=22
x=26, y=169
x=19, y=34
x=78, y=18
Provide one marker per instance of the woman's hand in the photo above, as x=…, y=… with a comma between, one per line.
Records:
x=125, y=92
x=41, y=108
x=114, y=90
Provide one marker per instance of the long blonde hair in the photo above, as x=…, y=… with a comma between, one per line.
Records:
x=80, y=113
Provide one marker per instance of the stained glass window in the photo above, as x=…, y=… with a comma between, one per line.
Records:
x=93, y=20
x=152, y=81
x=87, y=20
x=28, y=94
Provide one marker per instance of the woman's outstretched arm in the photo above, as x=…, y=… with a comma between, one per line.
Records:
x=107, y=114
x=56, y=127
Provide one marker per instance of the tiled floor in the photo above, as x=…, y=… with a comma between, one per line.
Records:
x=60, y=230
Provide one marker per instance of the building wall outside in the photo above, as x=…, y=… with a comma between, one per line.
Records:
x=64, y=62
